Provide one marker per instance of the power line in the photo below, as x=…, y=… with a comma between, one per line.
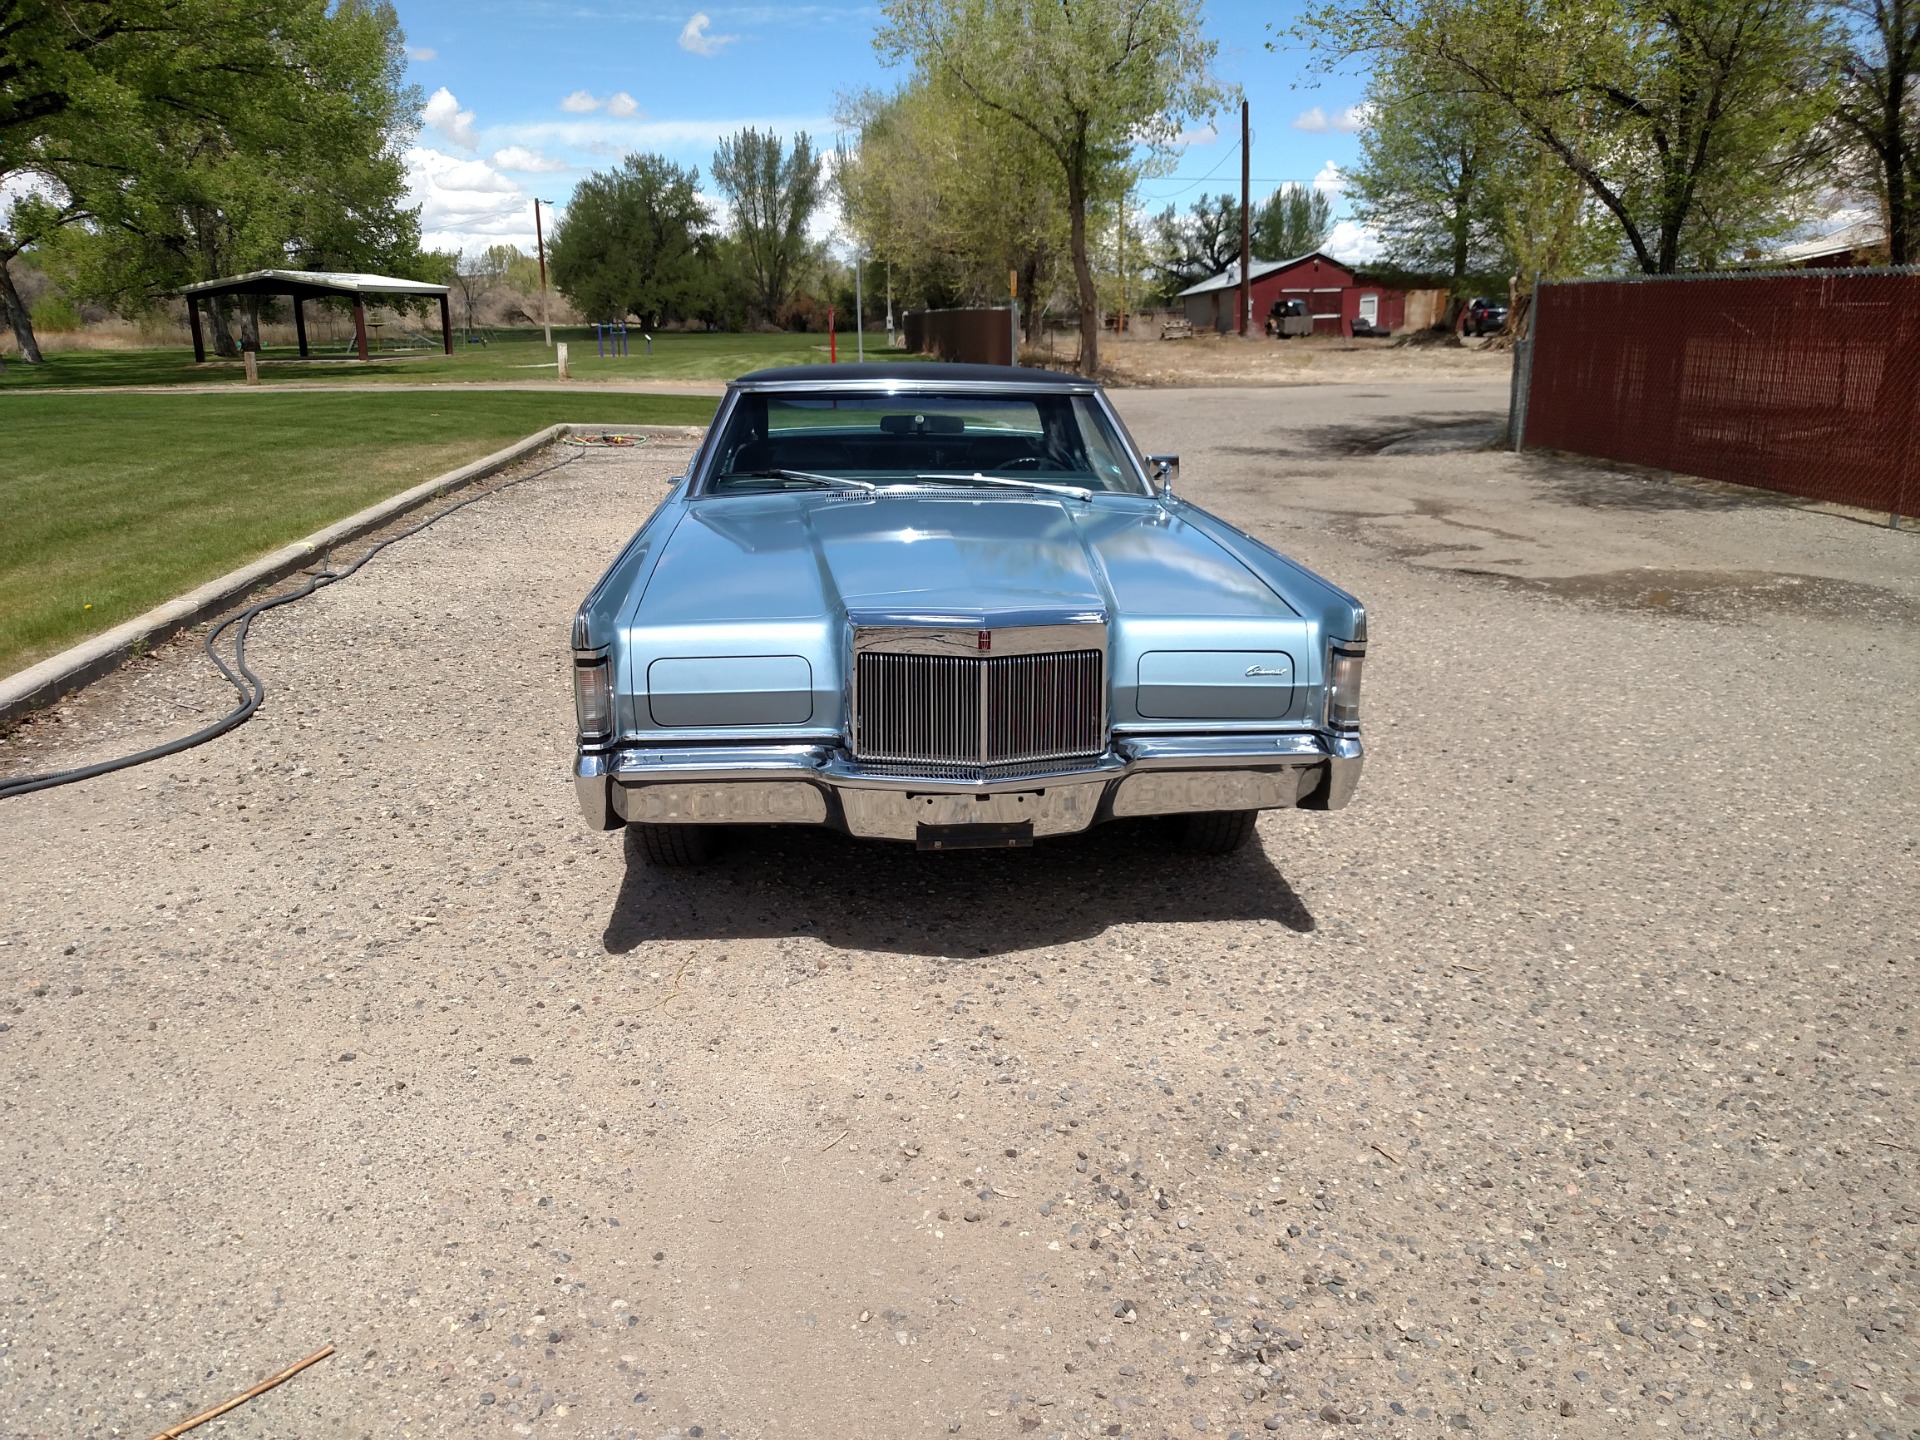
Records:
x=1232, y=151
x=1256, y=179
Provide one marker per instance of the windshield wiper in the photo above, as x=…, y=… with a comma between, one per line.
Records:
x=804, y=477
x=1074, y=492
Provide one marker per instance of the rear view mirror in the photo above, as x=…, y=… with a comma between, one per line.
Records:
x=922, y=425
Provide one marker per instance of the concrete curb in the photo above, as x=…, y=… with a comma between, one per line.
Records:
x=40, y=685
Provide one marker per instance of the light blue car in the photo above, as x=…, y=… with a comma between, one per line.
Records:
x=951, y=605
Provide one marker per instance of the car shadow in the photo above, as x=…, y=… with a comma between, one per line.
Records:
x=872, y=895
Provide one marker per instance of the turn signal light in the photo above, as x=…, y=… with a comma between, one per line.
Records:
x=593, y=699
x=1343, y=689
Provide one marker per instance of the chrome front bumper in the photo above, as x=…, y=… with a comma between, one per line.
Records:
x=805, y=784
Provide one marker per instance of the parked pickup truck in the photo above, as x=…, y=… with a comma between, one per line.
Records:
x=1287, y=319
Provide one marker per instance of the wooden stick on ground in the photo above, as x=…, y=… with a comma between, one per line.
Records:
x=260, y=1389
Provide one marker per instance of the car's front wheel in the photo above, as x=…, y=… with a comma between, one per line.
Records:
x=1217, y=832
x=677, y=846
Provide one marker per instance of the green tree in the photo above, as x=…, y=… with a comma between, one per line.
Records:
x=633, y=241
x=67, y=67
x=953, y=197
x=1878, y=112
x=1196, y=246
x=1293, y=220
x=1094, y=81
x=1433, y=181
x=773, y=193
x=1550, y=227
x=259, y=136
x=1688, y=121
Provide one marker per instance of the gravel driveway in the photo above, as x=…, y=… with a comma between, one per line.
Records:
x=1561, y=1086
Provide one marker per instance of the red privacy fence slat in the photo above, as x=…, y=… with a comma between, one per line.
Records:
x=975, y=337
x=1803, y=383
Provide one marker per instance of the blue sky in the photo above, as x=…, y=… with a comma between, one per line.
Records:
x=525, y=99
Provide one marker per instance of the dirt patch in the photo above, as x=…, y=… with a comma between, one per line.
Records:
x=1725, y=594
x=1229, y=360
x=1400, y=435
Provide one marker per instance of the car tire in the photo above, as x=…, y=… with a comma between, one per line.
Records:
x=1217, y=832
x=677, y=847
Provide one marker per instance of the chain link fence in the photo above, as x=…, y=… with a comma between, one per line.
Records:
x=1806, y=381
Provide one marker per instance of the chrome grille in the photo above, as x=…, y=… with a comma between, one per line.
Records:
x=959, y=714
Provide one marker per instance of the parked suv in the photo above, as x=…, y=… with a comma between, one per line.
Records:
x=1486, y=317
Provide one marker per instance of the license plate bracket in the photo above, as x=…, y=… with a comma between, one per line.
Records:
x=1006, y=835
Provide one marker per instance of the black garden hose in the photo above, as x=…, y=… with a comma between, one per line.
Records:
x=252, y=689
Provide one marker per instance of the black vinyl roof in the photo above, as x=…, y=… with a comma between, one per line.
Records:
x=929, y=373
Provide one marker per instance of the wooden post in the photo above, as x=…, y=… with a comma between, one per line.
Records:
x=199, y=340
x=360, y=326
x=446, y=326
x=252, y=359
x=1246, y=230
x=540, y=246
x=300, y=323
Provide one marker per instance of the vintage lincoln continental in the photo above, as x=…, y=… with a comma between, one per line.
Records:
x=951, y=605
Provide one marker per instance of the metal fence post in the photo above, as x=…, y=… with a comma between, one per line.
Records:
x=1521, y=388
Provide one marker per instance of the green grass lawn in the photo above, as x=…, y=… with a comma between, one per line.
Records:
x=111, y=504
x=510, y=355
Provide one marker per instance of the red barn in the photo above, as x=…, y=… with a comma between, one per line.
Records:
x=1338, y=298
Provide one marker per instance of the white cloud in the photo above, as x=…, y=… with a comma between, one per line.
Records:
x=1330, y=181
x=695, y=36
x=422, y=52
x=1317, y=122
x=466, y=203
x=443, y=113
x=1197, y=135
x=532, y=162
x=1353, y=242
x=682, y=138
x=620, y=103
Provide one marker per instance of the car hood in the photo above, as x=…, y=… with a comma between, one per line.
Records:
x=972, y=559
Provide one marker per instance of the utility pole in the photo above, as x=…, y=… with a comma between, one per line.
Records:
x=1013, y=317
x=1120, y=248
x=540, y=244
x=1246, y=227
x=859, y=312
x=889, y=304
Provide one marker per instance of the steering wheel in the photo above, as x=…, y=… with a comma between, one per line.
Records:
x=1031, y=462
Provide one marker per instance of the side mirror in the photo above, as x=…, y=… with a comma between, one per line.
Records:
x=1166, y=469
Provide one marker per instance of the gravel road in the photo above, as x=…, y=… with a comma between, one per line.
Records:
x=1561, y=1086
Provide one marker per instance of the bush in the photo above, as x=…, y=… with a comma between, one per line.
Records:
x=54, y=313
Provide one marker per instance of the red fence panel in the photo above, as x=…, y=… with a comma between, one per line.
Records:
x=975, y=337
x=1806, y=383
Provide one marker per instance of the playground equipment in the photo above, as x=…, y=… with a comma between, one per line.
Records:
x=614, y=341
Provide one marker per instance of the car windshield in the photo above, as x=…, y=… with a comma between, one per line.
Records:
x=852, y=441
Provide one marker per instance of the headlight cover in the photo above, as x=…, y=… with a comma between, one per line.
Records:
x=701, y=691
x=1343, y=688
x=1215, y=685
x=593, y=698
